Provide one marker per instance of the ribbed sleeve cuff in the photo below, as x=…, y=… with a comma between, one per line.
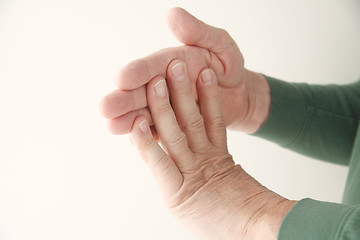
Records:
x=310, y=219
x=288, y=112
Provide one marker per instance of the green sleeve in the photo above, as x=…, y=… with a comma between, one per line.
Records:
x=319, y=121
x=310, y=219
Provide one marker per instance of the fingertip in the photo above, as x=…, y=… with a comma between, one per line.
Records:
x=104, y=107
x=173, y=13
x=157, y=87
x=110, y=123
x=175, y=9
x=115, y=104
x=207, y=84
x=183, y=25
x=176, y=71
x=141, y=133
x=144, y=127
x=116, y=128
x=118, y=78
x=207, y=77
x=123, y=124
x=140, y=127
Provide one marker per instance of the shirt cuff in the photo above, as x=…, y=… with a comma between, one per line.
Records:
x=311, y=219
x=288, y=112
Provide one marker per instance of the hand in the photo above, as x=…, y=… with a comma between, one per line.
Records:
x=244, y=95
x=201, y=185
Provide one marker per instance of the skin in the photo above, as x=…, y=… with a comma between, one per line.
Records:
x=201, y=185
x=244, y=95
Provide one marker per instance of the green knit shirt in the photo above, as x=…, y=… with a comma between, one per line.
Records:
x=320, y=121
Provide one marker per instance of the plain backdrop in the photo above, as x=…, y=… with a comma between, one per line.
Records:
x=64, y=176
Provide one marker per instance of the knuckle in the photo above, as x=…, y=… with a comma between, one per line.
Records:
x=147, y=145
x=197, y=123
x=163, y=163
x=193, y=122
x=163, y=108
x=216, y=123
x=177, y=139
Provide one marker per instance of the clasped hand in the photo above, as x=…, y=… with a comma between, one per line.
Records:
x=190, y=94
x=200, y=183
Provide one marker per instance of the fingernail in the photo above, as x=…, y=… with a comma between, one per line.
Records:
x=178, y=71
x=207, y=77
x=144, y=126
x=160, y=88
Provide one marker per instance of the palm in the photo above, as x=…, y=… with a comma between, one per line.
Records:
x=217, y=199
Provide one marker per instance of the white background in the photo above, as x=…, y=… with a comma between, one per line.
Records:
x=64, y=176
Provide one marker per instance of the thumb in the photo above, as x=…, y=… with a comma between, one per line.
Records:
x=228, y=62
x=191, y=31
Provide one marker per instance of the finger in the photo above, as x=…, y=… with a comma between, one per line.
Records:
x=166, y=174
x=210, y=108
x=173, y=139
x=185, y=108
x=141, y=71
x=123, y=124
x=222, y=48
x=191, y=31
x=120, y=102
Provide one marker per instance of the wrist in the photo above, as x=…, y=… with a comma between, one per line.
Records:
x=257, y=89
x=262, y=101
x=269, y=224
x=260, y=210
x=267, y=220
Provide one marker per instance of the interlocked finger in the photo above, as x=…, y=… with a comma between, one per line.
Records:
x=170, y=134
x=211, y=110
x=185, y=107
x=161, y=165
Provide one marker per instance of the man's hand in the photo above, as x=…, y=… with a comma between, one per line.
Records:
x=244, y=95
x=201, y=185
